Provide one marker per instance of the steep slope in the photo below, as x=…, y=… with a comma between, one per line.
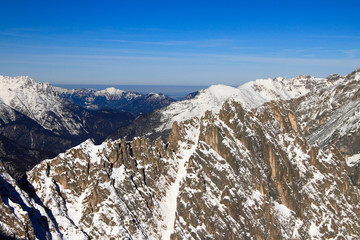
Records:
x=265, y=90
x=337, y=106
x=252, y=94
x=238, y=174
x=247, y=170
x=332, y=116
x=39, y=102
x=29, y=138
x=53, y=108
x=23, y=142
x=22, y=213
x=273, y=181
x=45, y=104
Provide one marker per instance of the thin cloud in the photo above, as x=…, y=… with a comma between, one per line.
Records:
x=191, y=58
x=352, y=53
x=20, y=32
x=13, y=34
x=340, y=36
x=198, y=43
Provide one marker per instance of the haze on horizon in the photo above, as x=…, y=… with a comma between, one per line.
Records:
x=177, y=42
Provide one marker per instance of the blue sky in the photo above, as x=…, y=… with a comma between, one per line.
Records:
x=177, y=42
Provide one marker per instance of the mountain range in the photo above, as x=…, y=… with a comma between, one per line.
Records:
x=47, y=119
x=271, y=159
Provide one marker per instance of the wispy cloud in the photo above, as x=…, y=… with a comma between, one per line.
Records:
x=339, y=36
x=20, y=32
x=352, y=53
x=183, y=58
x=198, y=43
x=13, y=34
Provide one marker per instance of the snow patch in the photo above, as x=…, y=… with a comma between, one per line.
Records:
x=169, y=203
x=119, y=173
x=314, y=231
x=282, y=211
x=108, y=92
x=353, y=160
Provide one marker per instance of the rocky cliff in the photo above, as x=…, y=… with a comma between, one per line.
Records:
x=332, y=116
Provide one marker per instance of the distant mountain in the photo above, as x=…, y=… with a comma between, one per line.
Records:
x=128, y=101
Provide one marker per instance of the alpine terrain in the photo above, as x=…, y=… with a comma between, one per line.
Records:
x=271, y=159
x=39, y=121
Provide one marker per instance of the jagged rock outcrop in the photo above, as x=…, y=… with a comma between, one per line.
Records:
x=325, y=115
x=254, y=174
x=23, y=216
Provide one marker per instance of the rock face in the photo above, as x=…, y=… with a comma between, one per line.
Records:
x=332, y=116
x=273, y=181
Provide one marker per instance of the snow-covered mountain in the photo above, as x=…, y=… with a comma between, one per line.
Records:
x=40, y=102
x=266, y=160
x=251, y=95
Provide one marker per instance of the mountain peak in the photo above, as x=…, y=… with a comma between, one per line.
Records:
x=111, y=91
x=355, y=75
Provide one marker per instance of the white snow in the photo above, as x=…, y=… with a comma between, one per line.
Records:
x=357, y=76
x=119, y=173
x=314, y=231
x=75, y=210
x=282, y=211
x=37, y=100
x=250, y=95
x=169, y=203
x=256, y=197
x=352, y=160
x=344, y=120
x=109, y=92
x=93, y=151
